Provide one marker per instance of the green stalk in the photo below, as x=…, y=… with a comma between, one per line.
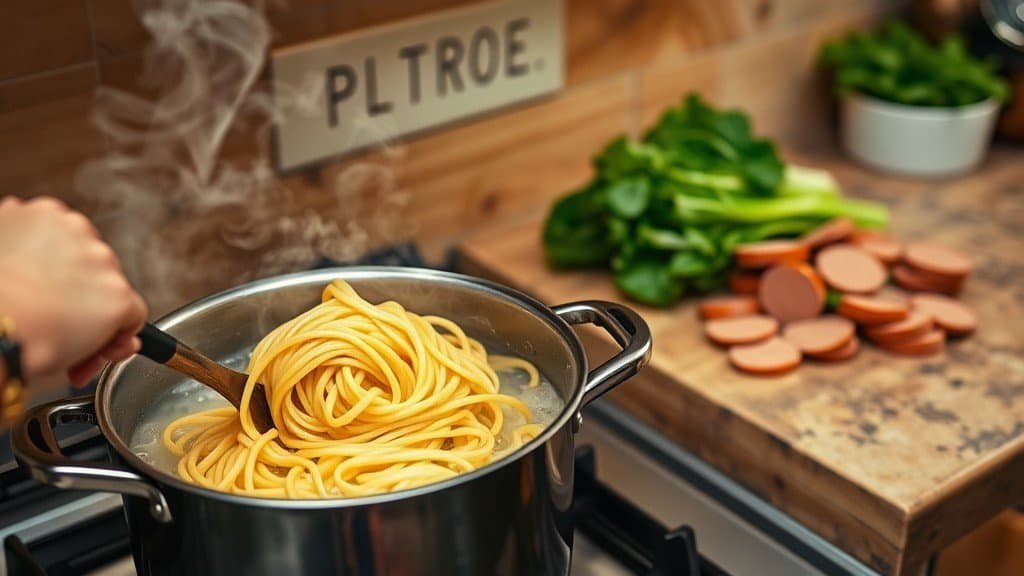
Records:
x=787, y=227
x=800, y=181
x=722, y=182
x=747, y=210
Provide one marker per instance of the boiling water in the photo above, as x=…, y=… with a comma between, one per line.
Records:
x=189, y=397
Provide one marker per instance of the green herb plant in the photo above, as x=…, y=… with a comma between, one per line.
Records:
x=899, y=65
x=666, y=213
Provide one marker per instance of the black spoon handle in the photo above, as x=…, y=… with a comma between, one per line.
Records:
x=157, y=345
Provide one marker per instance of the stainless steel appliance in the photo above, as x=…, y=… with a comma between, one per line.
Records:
x=663, y=491
x=660, y=486
x=510, y=517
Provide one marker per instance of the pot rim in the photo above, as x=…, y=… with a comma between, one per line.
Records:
x=104, y=388
x=907, y=111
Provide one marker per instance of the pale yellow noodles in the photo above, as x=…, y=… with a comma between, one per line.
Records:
x=365, y=398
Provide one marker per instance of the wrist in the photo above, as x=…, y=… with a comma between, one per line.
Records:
x=35, y=356
x=11, y=388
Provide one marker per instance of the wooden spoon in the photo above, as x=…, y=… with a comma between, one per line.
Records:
x=161, y=347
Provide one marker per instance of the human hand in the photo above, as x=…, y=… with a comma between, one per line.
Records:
x=64, y=288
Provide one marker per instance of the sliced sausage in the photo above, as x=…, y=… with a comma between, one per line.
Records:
x=937, y=259
x=882, y=246
x=742, y=282
x=850, y=269
x=835, y=230
x=849, y=350
x=891, y=292
x=740, y=329
x=771, y=357
x=725, y=306
x=914, y=325
x=791, y=292
x=820, y=335
x=916, y=280
x=926, y=344
x=948, y=282
x=769, y=252
x=949, y=314
x=872, y=310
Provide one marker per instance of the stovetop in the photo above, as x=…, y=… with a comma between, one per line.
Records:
x=616, y=538
x=643, y=506
x=632, y=484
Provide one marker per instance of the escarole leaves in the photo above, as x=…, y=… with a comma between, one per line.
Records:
x=899, y=65
x=665, y=213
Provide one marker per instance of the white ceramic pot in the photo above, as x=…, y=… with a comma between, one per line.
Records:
x=917, y=140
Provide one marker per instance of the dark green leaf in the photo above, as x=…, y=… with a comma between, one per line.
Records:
x=575, y=234
x=623, y=158
x=897, y=64
x=628, y=198
x=688, y=264
x=648, y=281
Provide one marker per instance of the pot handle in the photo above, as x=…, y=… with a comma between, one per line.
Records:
x=627, y=328
x=36, y=448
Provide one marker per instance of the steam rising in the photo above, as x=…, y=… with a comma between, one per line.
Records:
x=186, y=220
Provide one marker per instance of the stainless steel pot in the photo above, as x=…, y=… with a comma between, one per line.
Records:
x=510, y=517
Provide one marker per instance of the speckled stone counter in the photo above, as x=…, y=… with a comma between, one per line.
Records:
x=891, y=458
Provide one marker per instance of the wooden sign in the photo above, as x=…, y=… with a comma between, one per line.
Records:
x=358, y=89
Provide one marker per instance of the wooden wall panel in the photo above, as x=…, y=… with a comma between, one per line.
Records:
x=664, y=85
x=612, y=36
x=769, y=79
x=47, y=87
x=42, y=35
x=41, y=147
x=627, y=60
x=116, y=28
x=507, y=166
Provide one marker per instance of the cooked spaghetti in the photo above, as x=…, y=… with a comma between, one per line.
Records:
x=365, y=399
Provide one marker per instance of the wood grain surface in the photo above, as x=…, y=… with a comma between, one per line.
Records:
x=891, y=458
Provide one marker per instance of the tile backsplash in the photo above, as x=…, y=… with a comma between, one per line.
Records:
x=626, y=60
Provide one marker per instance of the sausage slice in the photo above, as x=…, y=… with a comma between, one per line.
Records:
x=771, y=357
x=882, y=246
x=917, y=280
x=835, y=230
x=929, y=343
x=949, y=314
x=937, y=259
x=741, y=282
x=791, y=292
x=741, y=329
x=849, y=350
x=769, y=252
x=851, y=269
x=914, y=325
x=725, y=306
x=816, y=336
x=872, y=310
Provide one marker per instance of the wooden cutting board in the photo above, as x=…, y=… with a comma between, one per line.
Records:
x=890, y=458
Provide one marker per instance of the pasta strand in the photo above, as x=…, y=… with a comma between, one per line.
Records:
x=366, y=398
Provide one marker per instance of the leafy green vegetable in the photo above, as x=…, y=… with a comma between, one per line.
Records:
x=666, y=214
x=628, y=198
x=648, y=280
x=576, y=234
x=699, y=138
x=899, y=65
